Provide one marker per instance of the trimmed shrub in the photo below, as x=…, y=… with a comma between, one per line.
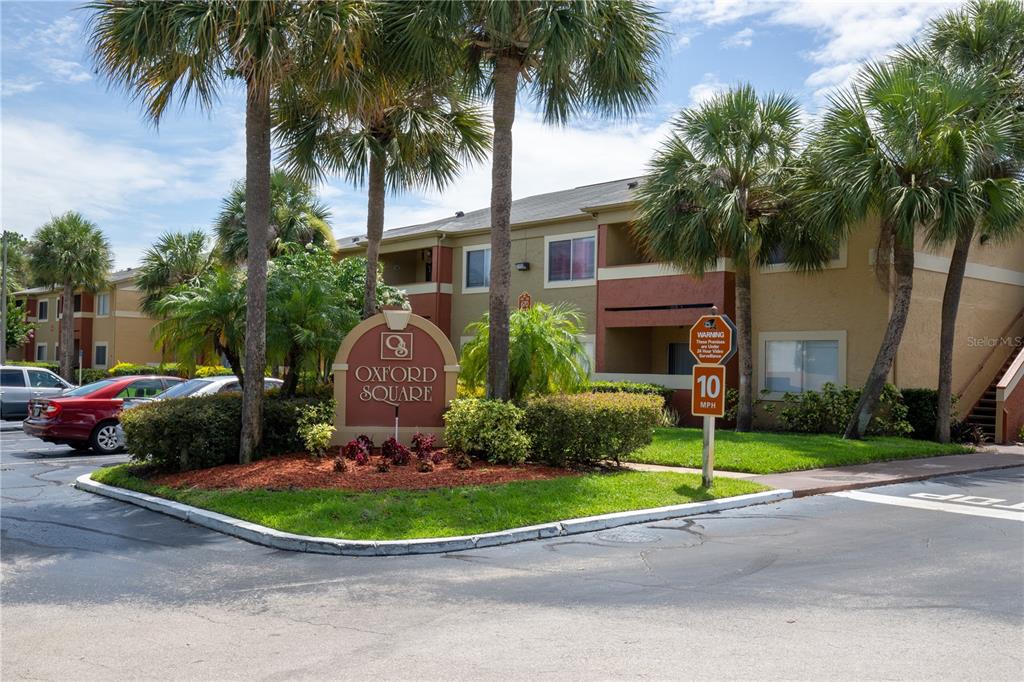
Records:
x=316, y=438
x=586, y=428
x=487, y=429
x=123, y=369
x=195, y=433
x=922, y=411
x=52, y=366
x=630, y=387
x=204, y=371
x=91, y=375
x=829, y=410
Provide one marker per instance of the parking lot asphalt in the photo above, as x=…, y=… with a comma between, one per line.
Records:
x=894, y=582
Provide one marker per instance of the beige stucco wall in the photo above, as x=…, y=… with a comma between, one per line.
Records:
x=527, y=245
x=131, y=340
x=846, y=298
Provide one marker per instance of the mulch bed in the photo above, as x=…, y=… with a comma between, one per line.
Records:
x=300, y=471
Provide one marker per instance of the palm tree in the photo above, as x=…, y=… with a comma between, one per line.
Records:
x=389, y=130
x=162, y=51
x=545, y=352
x=569, y=55
x=890, y=147
x=715, y=190
x=987, y=39
x=176, y=258
x=210, y=313
x=296, y=217
x=73, y=252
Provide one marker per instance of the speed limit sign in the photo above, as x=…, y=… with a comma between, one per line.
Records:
x=707, y=399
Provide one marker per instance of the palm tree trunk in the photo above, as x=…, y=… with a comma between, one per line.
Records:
x=291, y=376
x=374, y=232
x=506, y=84
x=234, y=362
x=745, y=408
x=257, y=221
x=67, y=333
x=903, y=264
x=947, y=335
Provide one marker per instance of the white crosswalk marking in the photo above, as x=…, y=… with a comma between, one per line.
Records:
x=931, y=505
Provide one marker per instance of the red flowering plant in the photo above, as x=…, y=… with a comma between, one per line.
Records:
x=423, y=444
x=398, y=454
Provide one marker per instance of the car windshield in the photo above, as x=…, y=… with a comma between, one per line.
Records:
x=184, y=389
x=88, y=389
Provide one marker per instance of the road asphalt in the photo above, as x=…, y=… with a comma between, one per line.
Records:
x=913, y=581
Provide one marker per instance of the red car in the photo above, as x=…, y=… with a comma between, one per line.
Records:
x=86, y=417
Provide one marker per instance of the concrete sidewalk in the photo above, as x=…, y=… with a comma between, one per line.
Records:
x=817, y=481
x=832, y=479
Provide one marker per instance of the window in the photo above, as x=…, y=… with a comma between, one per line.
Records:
x=78, y=303
x=41, y=379
x=40, y=352
x=12, y=378
x=103, y=304
x=89, y=389
x=143, y=388
x=571, y=260
x=233, y=387
x=99, y=356
x=776, y=261
x=478, y=268
x=680, y=360
x=44, y=311
x=796, y=366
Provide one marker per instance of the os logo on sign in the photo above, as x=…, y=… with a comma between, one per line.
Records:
x=396, y=346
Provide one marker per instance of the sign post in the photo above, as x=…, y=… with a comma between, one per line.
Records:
x=712, y=344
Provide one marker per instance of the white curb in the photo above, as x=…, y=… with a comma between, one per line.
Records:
x=262, y=535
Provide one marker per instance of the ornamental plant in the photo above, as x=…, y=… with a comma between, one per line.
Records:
x=423, y=444
x=488, y=429
x=353, y=448
x=395, y=452
x=316, y=438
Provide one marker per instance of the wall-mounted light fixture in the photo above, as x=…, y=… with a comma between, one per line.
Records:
x=522, y=266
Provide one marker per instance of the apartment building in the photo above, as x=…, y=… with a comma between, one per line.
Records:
x=576, y=246
x=109, y=327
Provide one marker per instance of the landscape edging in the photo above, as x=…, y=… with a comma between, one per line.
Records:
x=270, y=537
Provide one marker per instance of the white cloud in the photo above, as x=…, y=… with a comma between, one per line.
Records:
x=708, y=87
x=49, y=168
x=18, y=86
x=847, y=33
x=742, y=38
x=67, y=71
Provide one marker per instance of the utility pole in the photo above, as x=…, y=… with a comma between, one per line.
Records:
x=3, y=299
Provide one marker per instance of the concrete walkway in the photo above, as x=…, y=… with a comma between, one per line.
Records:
x=832, y=479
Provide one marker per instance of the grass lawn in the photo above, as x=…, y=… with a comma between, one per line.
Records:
x=769, y=453
x=441, y=512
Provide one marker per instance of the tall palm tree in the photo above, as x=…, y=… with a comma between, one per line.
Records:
x=73, y=252
x=391, y=130
x=714, y=191
x=209, y=313
x=569, y=55
x=176, y=258
x=889, y=146
x=162, y=51
x=297, y=216
x=987, y=39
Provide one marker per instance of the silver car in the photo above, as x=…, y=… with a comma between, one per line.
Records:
x=20, y=384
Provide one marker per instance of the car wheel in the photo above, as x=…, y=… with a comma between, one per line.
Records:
x=104, y=439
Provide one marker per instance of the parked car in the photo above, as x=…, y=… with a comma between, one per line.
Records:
x=208, y=386
x=19, y=385
x=86, y=417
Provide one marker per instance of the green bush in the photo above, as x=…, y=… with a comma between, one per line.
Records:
x=922, y=411
x=195, y=433
x=1020, y=434
x=586, y=428
x=830, y=409
x=52, y=366
x=486, y=429
x=123, y=369
x=204, y=371
x=91, y=375
x=631, y=387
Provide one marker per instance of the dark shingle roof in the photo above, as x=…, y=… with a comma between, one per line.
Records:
x=113, y=278
x=551, y=206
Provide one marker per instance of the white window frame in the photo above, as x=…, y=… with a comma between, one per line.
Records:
x=39, y=303
x=563, y=284
x=837, y=263
x=106, y=354
x=465, y=270
x=101, y=297
x=762, y=355
x=46, y=351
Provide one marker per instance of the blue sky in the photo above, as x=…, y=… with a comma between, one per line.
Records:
x=69, y=142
